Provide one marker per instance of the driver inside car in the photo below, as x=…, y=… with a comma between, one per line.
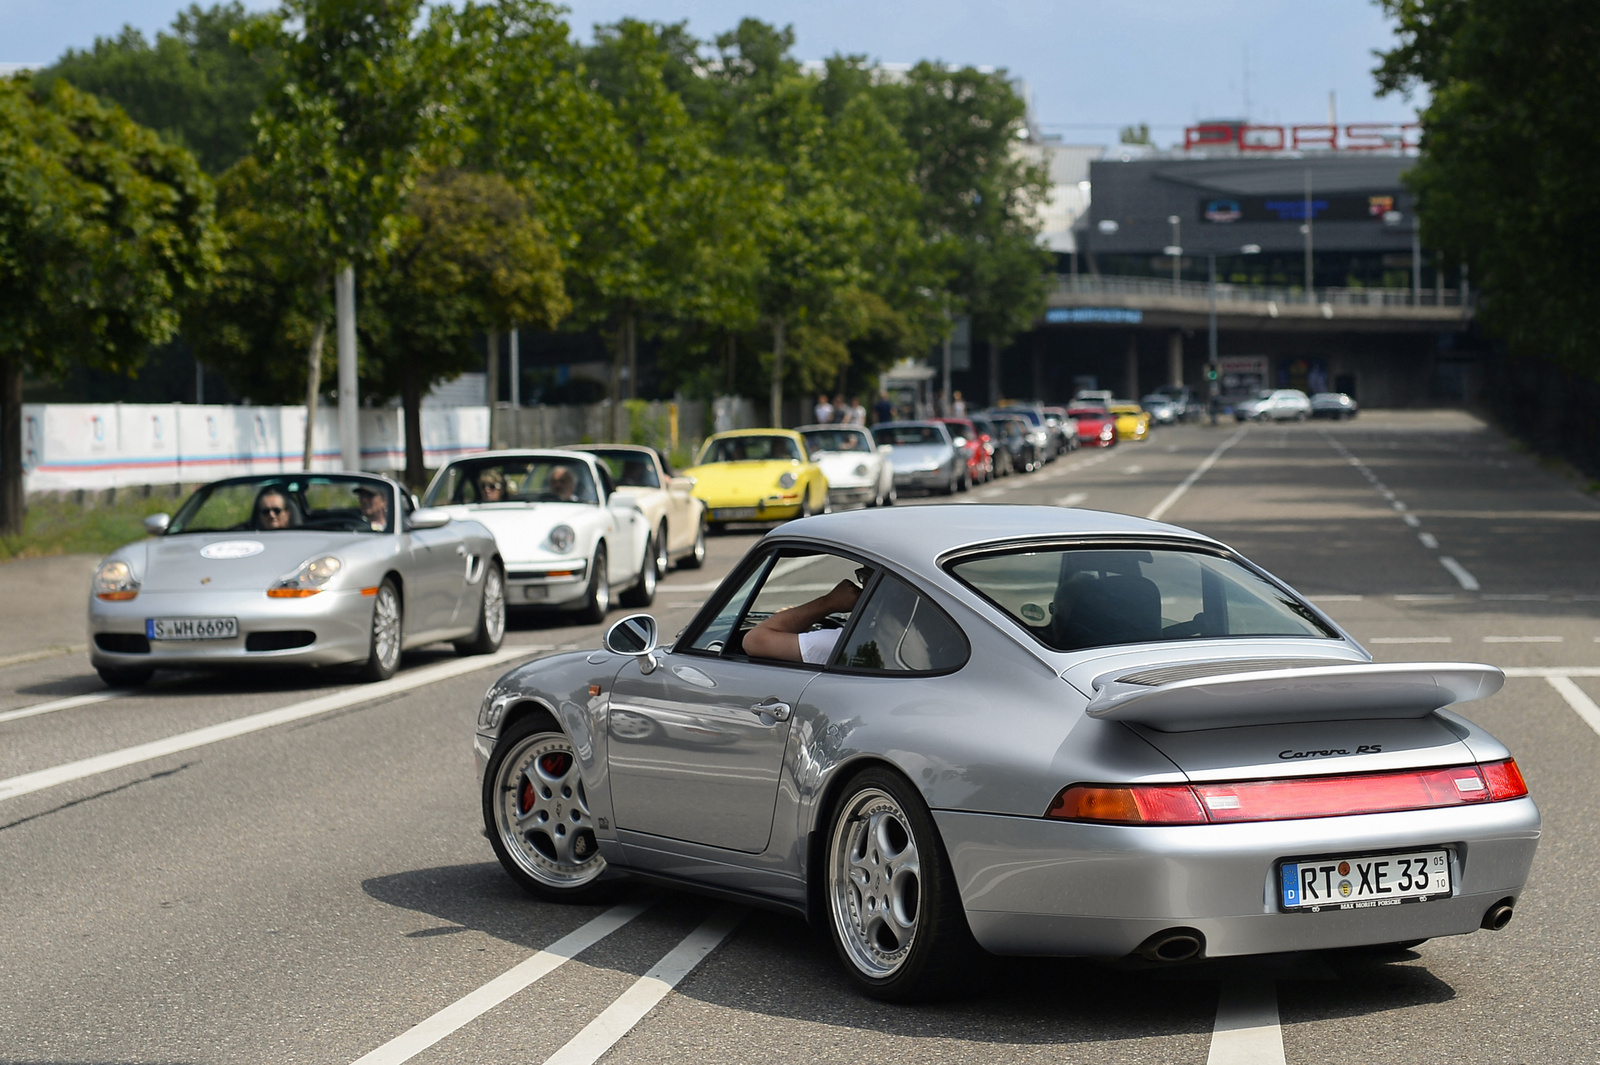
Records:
x=788, y=635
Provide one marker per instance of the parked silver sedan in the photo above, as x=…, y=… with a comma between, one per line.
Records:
x=299, y=569
x=1029, y=730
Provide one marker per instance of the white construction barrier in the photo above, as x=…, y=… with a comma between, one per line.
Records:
x=111, y=445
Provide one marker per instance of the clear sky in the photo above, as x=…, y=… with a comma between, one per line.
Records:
x=1092, y=66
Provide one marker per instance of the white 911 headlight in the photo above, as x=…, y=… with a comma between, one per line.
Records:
x=787, y=480
x=562, y=538
x=312, y=576
x=114, y=581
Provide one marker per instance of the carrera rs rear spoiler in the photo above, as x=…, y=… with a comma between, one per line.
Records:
x=1186, y=698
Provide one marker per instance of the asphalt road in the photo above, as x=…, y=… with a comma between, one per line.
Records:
x=313, y=885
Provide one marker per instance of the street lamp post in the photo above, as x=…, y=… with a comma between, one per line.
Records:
x=1175, y=250
x=1211, y=381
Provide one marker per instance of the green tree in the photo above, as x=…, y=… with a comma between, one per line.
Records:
x=1511, y=145
x=105, y=229
x=470, y=255
x=197, y=85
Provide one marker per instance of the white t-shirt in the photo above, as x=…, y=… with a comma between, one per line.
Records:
x=816, y=646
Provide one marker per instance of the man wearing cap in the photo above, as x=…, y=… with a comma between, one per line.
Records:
x=374, y=503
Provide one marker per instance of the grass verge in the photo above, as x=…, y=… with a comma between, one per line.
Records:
x=61, y=526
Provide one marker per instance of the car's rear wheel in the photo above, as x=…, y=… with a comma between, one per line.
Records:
x=894, y=914
x=597, y=601
x=663, y=553
x=123, y=676
x=697, y=555
x=536, y=813
x=491, y=615
x=643, y=592
x=383, y=654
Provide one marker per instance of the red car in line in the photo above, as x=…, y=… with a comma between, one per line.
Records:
x=1097, y=426
x=978, y=447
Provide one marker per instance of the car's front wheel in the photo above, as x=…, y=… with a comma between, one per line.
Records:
x=491, y=615
x=597, y=600
x=383, y=652
x=894, y=913
x=643, y=593
x=536, y=813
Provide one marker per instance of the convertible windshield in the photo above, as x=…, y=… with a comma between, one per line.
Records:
x=335, y=503
x=837, y=440
x=904, y=435
x=630, y=468
x=751, y=449
x=1073, y=598
x=512, y=480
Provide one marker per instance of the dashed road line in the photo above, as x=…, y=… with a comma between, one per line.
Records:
x=1429, y=541
x=1467, y=581
x=1409, y=639
x=7, y=661
x=1072, y=499
x=1247, y=1031
x=28, y=783
x=64, y=704
x=1210, y=461
x=1523, y=639
x=1578, y=699
x=619, y=1018
x=472, y=1006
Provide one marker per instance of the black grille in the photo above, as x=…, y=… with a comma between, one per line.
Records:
x=122, y=643
x=279, y=641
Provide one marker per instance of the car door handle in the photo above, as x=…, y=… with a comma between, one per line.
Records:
x=774, y=708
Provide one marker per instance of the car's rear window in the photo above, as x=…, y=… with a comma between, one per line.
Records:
x=1071, y=598
x=904, y=435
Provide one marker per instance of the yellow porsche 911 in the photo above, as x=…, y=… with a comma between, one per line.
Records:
x=758, y=475
x=1133, y=421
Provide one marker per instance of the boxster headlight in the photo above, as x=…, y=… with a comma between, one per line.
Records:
x=312, y=576
x=114, y=581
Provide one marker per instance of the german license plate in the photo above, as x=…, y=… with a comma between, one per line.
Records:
x=733, y=513
x=1364, y=881
x=191, y=628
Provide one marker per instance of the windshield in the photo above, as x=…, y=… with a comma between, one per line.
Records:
x=629, y=468
x=1072, y=598
x=1089, y=412
x=750, y=449
x=908, y=435
x=335, y=503
x=512, y=480
x=837, y=440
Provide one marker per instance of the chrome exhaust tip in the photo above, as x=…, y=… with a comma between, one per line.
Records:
x=1172, y=945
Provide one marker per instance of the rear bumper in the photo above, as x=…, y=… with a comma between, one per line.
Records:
x=1032, y=886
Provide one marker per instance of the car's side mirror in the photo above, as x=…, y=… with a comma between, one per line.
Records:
x=156, y=524
x=884, y=449
x=635, y=635
x=428, y=518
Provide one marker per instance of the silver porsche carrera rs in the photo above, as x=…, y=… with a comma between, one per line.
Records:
x=1038, y=731
x=297, y=569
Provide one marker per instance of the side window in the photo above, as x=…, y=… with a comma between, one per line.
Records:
x=901, y=632
x=790, y=580
x=713, y=639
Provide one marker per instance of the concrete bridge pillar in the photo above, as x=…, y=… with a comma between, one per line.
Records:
x=1130, y=376
x=1175, y=358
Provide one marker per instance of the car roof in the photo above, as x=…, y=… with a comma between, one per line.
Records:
x=727, y=433
x=915, y=538
x=564, y=454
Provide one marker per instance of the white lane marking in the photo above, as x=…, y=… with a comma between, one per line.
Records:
x=1247, y=1030
x=63, y=704
x=990, y=493
x=1337, y=598
x=1072, y=499
x=618, y=1019
x=1545, y=672
x=1523, y=639
x=1426, y=597
x=1211, y=460
x=28, y=783
x=7, y=661
x=472, y=1006
x=1430, y=541
x=1531, y=597
x=1578, y=700
x=1409, y=639
x=1467, y=581
x=1134, y=469
x=1411, y=520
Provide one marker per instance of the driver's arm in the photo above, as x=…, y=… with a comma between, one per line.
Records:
x=779, y=636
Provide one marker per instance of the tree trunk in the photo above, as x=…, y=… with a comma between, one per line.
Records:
x=491, y=384
x=777, y=372
x=319, y=333
x=619, y=357
x=411, y=397
x=13, y=505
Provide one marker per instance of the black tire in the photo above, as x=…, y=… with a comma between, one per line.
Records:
x=536, y=813
x=597, y=601
x=643, y=592
x=387, y=631
x=966, y=480
x=663, y=550
x=124, y=676
x=697, y=555
x=893, y=497
x=889, y=898
x=491, y=615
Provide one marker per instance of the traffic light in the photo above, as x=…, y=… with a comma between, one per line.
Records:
x=1211, y=371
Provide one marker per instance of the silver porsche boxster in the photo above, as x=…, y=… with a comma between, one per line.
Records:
x=299, y=569
x=1037, y=731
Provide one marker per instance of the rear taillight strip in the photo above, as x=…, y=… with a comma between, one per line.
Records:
x=1289, y=798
